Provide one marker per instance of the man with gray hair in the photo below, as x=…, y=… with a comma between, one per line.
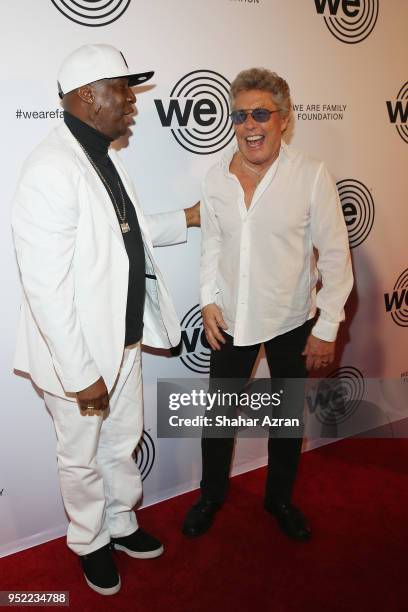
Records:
x=92, y=291
x=266, y=208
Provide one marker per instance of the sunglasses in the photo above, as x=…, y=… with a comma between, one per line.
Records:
x=260, y=115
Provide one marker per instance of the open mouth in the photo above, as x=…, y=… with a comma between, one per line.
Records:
x=255, y=142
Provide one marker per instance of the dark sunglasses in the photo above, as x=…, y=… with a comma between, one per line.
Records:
x=260, y=115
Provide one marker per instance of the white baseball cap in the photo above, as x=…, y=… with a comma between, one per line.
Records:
x=94, y=62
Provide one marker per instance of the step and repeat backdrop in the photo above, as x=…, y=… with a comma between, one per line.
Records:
x=345, y=62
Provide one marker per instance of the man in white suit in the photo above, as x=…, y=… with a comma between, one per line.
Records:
x=91, y=290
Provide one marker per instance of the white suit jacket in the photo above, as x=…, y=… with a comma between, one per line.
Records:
x=74, y=270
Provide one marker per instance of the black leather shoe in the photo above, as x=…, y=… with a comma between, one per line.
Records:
x=100, y=571
x=200, y=517
x=290, y=520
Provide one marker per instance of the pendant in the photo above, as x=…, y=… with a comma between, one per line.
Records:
x=125, y=228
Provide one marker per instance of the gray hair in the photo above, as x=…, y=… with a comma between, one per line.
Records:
x=264, y=80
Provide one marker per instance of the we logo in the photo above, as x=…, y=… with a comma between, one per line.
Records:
x=396, y=302
x=350, y=21
x=398, y=112
x=197, y=112
x=195, y=348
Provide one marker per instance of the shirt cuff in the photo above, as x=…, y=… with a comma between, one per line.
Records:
x=183, y=229
x=206, y=297
x=178, y=224
x=325, y=330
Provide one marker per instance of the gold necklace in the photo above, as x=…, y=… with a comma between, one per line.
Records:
x=121, y=211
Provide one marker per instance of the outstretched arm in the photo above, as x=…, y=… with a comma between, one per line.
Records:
x=170, y=228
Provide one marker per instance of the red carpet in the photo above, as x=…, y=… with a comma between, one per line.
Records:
x=355, y=493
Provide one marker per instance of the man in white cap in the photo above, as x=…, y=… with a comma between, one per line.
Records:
x=91, y=291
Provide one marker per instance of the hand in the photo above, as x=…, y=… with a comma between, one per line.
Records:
x=95, y=397
x=319, y=353
x=213, y=321
x=193, y=215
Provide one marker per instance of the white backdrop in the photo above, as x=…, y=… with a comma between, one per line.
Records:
x=353, y=61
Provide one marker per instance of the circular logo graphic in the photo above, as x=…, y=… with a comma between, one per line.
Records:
x=358, y=209
x=195, y=348
x=145, y=454
x=397, y=302
x=92, y=13
x=198, y=112
x=356, y=21
x=398, y=112
x=339, y=395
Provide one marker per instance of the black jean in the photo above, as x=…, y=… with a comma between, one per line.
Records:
x=285, y=360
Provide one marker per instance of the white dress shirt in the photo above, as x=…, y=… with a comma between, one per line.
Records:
x=258, y=264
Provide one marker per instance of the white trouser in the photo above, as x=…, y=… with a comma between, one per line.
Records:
x=100, y=482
